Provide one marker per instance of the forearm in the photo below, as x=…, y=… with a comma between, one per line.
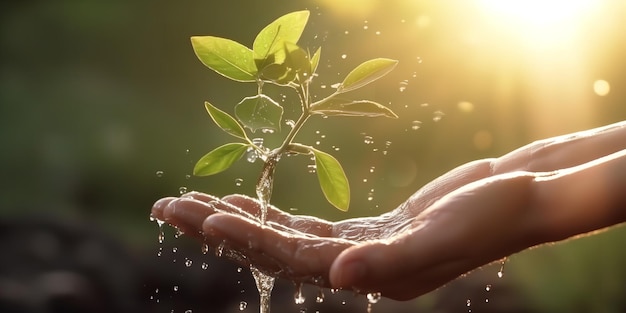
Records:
x=582, y=199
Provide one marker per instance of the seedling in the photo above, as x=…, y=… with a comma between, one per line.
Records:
x=276, y=58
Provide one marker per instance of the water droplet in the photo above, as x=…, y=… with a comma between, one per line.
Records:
x=204, y=248
x=344, y=56
x=373, y=297
x=336, y=85
x=298, y=297
x=238, y=182
x=178, y=233
x=372, y=169
x=220, y=248
x=204, y=265
x=378, y=32
x=182, y=190
x=239, y=269
x=252, y=153
x=419, y=60
x=488, y=288
x=243, y=305
x=501, y=271
x=336, y=148
x=161, y=233
x=174, y=249
x=188, y=311
x=468, y=302
x=291, y=123
x=403, y=85
x=423, y=105
x=312, y=168
x=415, y=125
x=175, y=287
x=160, y=251
x=343, y=302
x=159, y=173
x=365, y=27
x=368, y=140
x=334, y=290
x=320, y=296
x=188, y=262
x=187, y=176
x=267, y=130
x=437, y=116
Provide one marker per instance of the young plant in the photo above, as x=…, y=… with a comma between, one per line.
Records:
x=276, y=58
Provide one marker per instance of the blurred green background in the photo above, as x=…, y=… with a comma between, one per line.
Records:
x=96, y=97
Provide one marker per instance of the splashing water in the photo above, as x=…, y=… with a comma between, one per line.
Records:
x=265, y=284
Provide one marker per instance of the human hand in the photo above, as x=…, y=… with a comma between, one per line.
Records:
x=475, y=214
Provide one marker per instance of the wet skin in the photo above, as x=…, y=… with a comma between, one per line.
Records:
x=475, y=214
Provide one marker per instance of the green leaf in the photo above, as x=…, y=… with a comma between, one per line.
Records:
x=226, y=122
x=220, y=159
x=297, y=59
x=315, y=59
x=227, y=57
x=287, y=28
x=366, y=73
x=259, y=112
x=343, y=107
x=290, y=62
x=332, y=179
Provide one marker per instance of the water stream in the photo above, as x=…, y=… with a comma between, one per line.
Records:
x=264, y=281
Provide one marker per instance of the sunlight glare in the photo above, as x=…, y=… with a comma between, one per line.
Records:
x=540, y=21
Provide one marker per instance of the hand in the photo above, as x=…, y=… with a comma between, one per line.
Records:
x=475, y=214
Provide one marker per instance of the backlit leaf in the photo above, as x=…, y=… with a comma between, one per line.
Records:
x=343, y=107
x=227, y=57
x=332, y=179
x=220, y=159
x=259, y=112
x=289, y=62
x=226, y=122
x=315, y=59
x=366, y=73
x=287, y=28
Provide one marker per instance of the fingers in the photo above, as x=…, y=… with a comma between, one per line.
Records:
x=186, y=214
x=472, y=226
x=298, y=257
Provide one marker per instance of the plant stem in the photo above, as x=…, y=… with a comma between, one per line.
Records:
x=303, y=93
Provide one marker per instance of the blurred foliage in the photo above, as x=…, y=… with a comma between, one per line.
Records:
x=97, y=96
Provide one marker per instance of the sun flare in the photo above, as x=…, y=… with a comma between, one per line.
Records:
x=539, y=21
